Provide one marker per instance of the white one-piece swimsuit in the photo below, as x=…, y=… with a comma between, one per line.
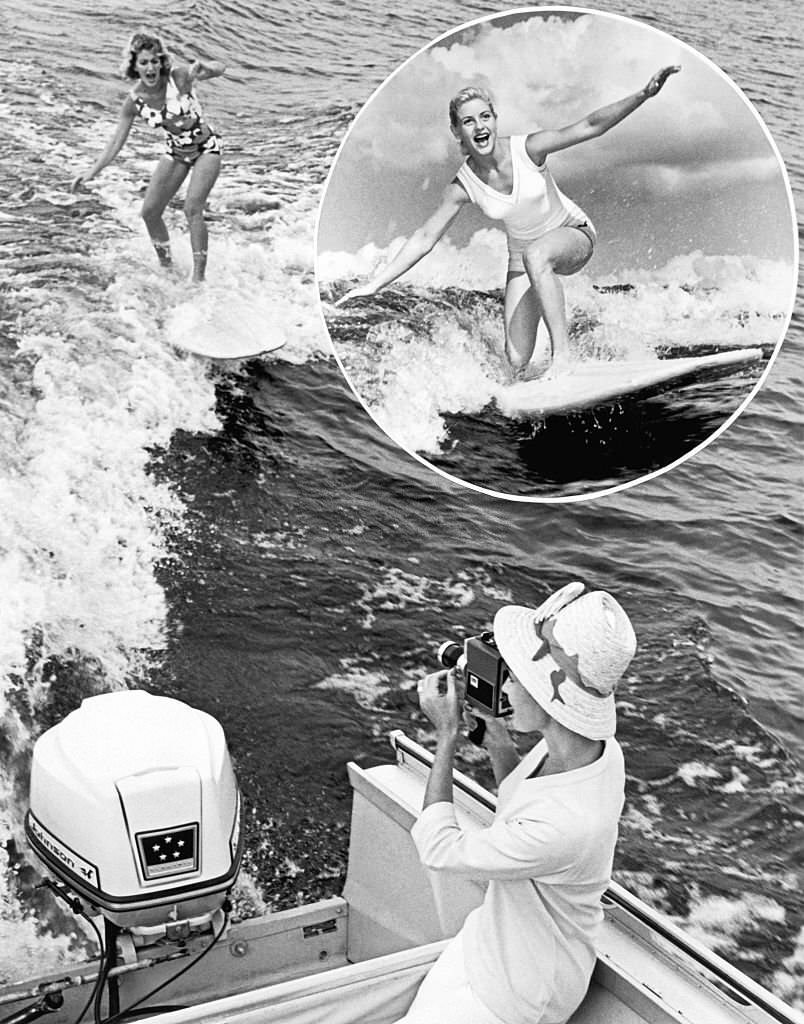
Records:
x=534, y=206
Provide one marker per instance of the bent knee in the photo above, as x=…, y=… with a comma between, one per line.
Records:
x=539, y=260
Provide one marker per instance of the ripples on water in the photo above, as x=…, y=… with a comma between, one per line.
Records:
x=247, y=540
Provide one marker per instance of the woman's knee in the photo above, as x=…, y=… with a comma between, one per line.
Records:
x=193, y=209
x=151, y=213
x=538, y=260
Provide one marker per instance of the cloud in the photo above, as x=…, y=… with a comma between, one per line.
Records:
x=548, y=72
x=676, y=175
x=667, y=179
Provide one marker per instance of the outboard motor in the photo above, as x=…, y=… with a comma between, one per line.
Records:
x=134, y=807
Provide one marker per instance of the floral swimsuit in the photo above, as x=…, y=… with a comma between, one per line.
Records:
x=187, y=135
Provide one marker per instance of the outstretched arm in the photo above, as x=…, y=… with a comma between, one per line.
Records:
x=417, y=246
x=539, y=144
x=112, y=147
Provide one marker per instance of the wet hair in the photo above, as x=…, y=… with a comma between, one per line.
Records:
x=143, y=40
x=471, y=92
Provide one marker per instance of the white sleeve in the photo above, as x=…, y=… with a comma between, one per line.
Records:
x=509, y=848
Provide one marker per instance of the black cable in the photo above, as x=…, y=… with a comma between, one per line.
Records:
x=101, y=974
x=77, y=907
x=227, y=907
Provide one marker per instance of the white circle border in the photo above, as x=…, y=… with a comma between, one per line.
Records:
x=624, y=485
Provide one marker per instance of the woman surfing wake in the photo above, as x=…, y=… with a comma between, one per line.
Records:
x=549, y=236
x=163, y=96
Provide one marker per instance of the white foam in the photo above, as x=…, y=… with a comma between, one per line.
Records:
x=454, y=363
x=690, y=772
x=397, y=590
x=717, y=921
x=788, y=981
x=737, y=782
x=365, y=686
x=21, y=948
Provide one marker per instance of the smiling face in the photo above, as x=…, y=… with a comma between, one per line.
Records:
x=476, y=127
x=148, y=66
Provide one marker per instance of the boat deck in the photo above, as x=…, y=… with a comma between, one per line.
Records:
x=358, y=959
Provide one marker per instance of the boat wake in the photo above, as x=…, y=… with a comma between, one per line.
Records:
x=93, y=393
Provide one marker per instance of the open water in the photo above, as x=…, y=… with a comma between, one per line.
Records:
x=249, y=541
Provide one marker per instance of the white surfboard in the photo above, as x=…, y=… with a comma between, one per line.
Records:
x=223, y=329
x=593, y=383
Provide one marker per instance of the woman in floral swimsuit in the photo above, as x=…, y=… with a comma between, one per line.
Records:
x=163, y=96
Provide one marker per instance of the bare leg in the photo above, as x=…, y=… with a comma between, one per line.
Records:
x=163, y=186
x=522, y=316
x=204, y=176
x=562, y=251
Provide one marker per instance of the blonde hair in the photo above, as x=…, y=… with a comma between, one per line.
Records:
x=143, y=40
x=471, y=92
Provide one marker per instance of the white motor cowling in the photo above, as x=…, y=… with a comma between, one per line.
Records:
x=135, y=807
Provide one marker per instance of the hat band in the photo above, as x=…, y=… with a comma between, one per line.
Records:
x=568, y=668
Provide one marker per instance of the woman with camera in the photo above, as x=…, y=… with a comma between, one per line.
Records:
x=526, y=954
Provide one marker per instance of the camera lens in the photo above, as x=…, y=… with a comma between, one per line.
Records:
x=449, y=653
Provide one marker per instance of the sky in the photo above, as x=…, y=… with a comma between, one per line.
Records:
x=692, y=169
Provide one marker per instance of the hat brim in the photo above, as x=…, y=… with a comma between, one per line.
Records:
x=577, y=708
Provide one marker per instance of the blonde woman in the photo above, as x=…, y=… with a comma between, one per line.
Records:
x=549, y=236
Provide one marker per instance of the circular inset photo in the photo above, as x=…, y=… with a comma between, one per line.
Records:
x=556, y=253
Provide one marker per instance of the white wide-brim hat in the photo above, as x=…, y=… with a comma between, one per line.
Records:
x=569, y=654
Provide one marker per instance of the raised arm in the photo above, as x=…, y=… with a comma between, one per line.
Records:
x=112, y=147
x=540, y=144
x=418, y=245
x=199, y=71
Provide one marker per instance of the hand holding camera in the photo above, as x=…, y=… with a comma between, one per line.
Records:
x=441, y=695
x=484, y=730
x=484, y=671
x=476, y=678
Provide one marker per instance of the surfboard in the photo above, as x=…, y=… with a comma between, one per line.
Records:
x=594, y=383
x=220, y=329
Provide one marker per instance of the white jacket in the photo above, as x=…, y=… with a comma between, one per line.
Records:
x=547, y=856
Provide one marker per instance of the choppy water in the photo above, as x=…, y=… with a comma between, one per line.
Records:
x=249, y=541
